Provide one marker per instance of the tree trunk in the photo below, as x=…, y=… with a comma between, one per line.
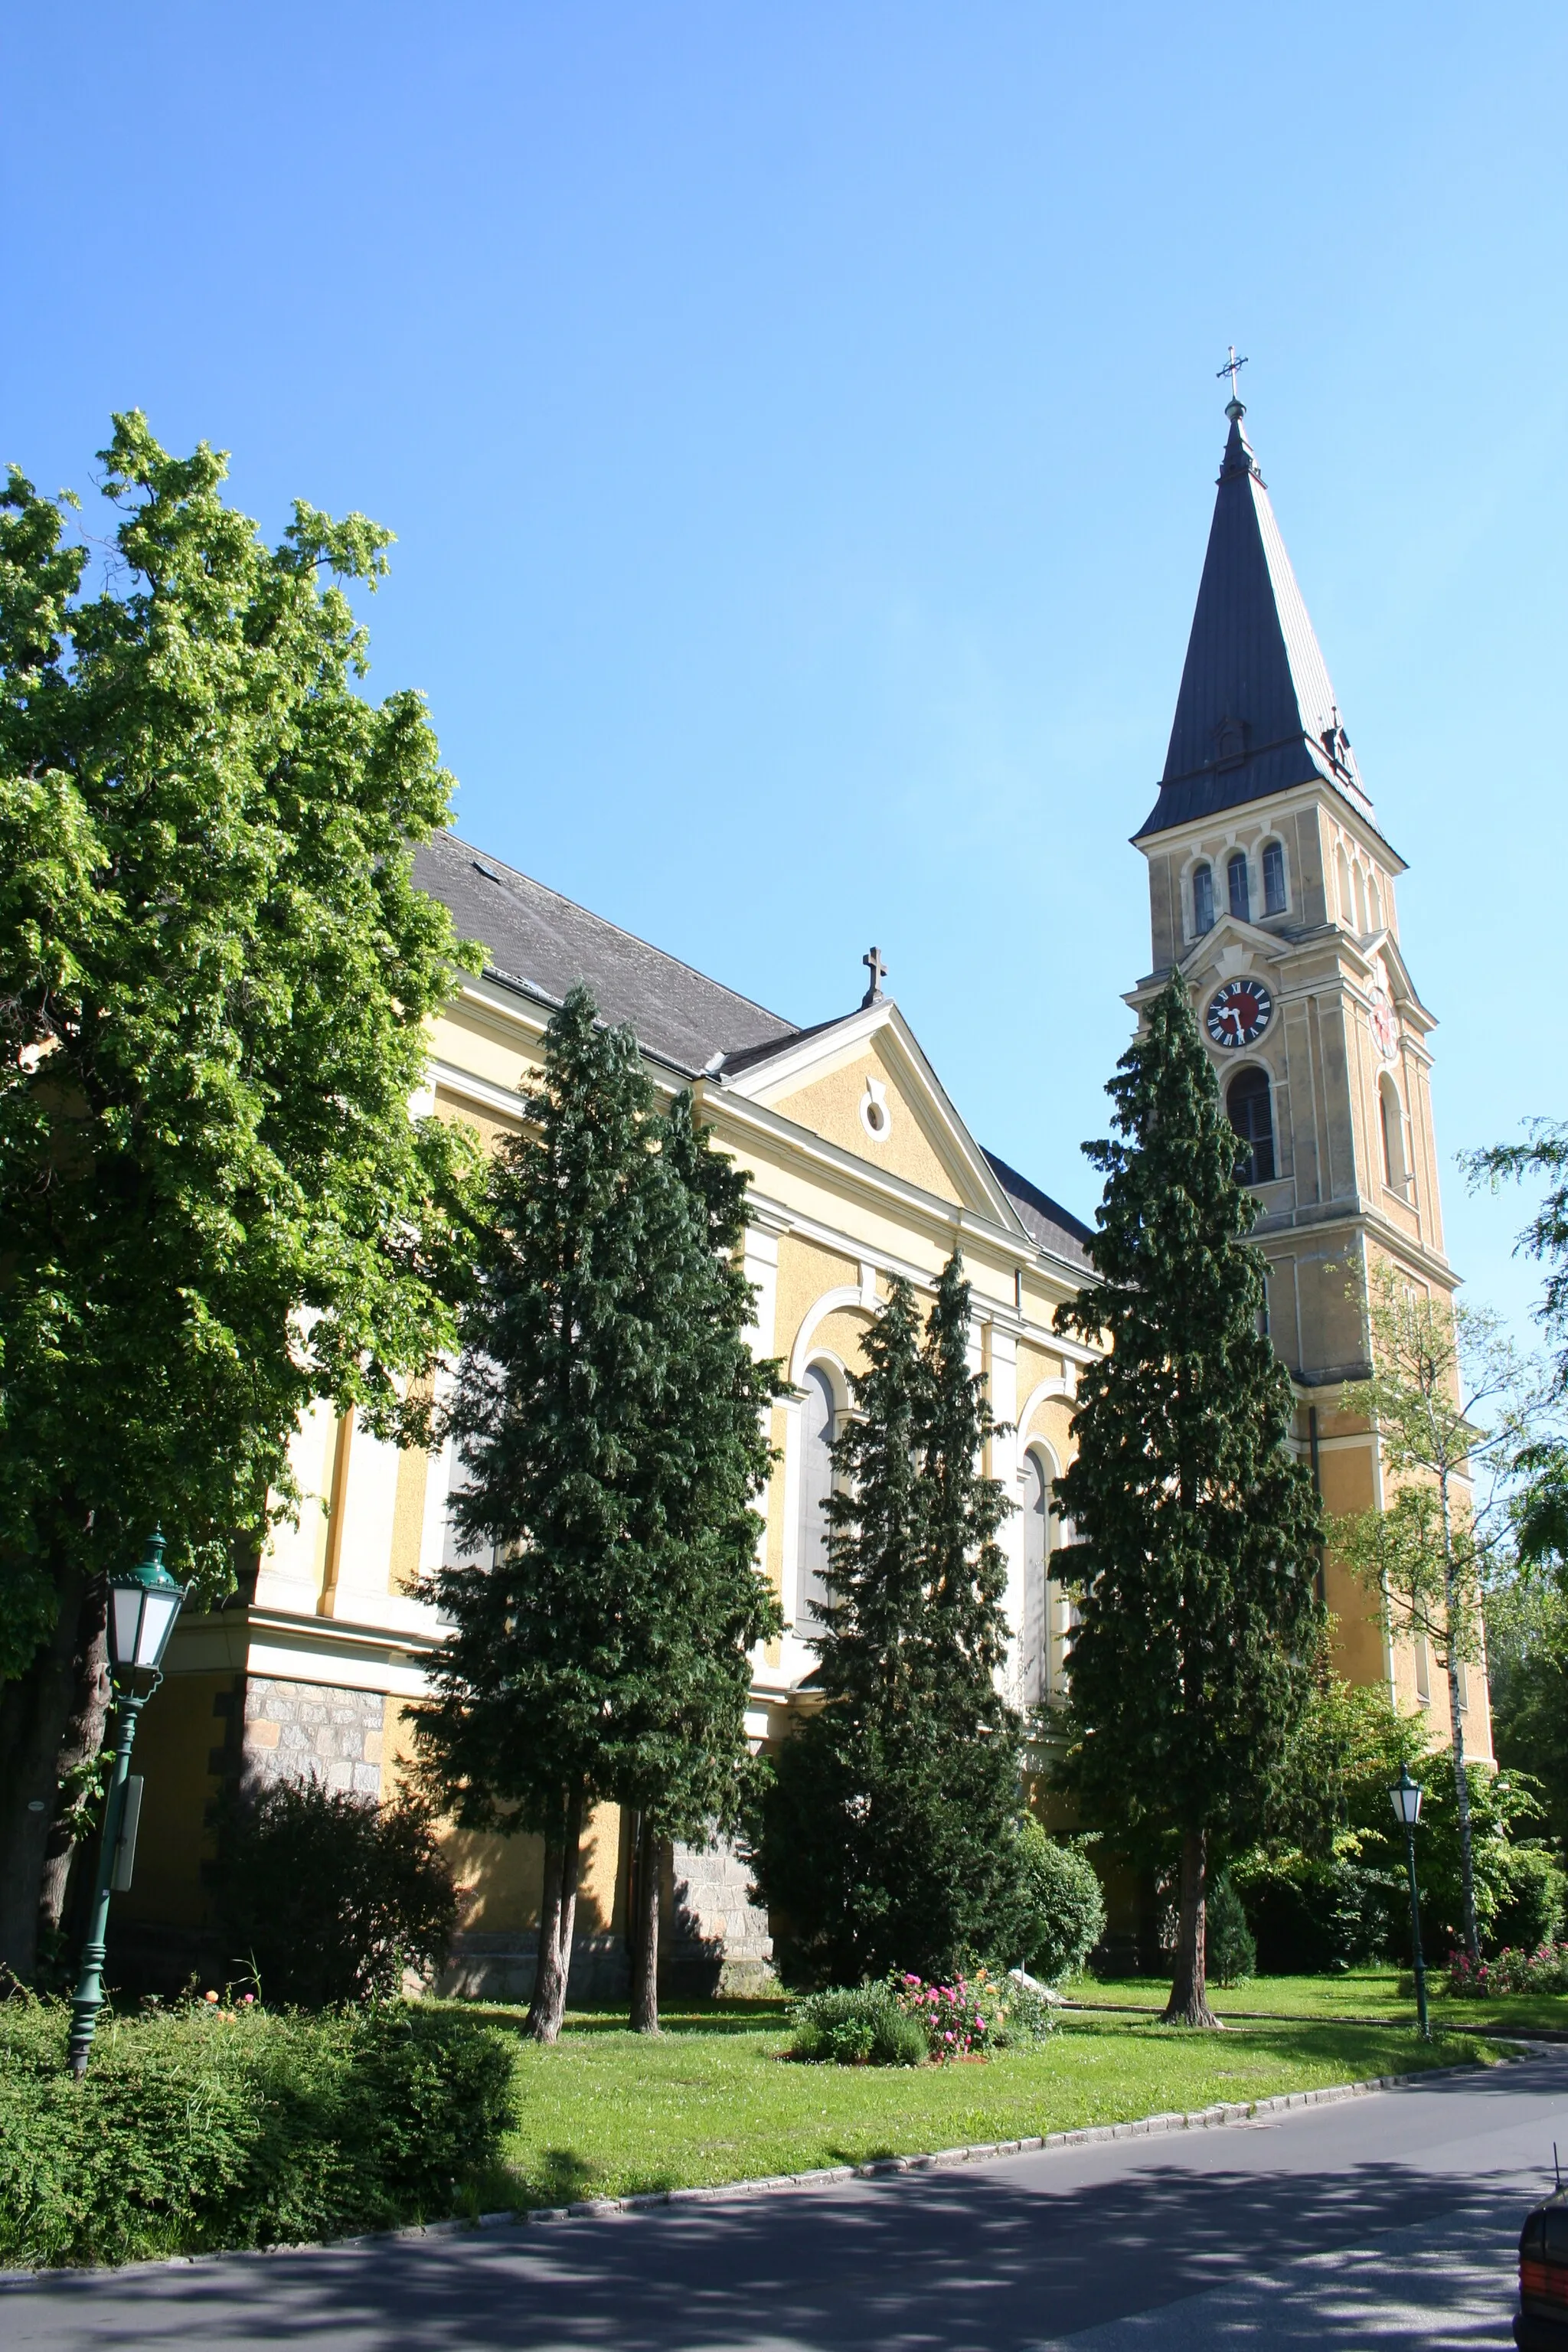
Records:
x=34, y=1714
x=557, y=1914
x=1188, y=2004
x=645, y=1893
x=1461, y=1785
x=85, y=1736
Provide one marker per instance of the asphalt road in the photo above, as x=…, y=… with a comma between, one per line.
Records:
x=1390, y=2220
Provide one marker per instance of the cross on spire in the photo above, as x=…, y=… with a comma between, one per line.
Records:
x=1230, y=367
x=879, y=971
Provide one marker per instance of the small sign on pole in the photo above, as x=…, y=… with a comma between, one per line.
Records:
x=125, y=1844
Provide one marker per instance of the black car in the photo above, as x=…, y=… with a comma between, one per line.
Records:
x=1543, y=2322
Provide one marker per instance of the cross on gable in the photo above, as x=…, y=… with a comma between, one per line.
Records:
x=879, y=971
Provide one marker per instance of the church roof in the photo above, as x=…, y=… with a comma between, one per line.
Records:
x=545, y=943
x=1256, y=712
x=549, y=943
x=1044, y=1219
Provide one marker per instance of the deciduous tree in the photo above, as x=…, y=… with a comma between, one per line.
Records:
x=214, y=975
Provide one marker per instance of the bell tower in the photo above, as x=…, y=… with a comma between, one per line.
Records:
x=1273, y=891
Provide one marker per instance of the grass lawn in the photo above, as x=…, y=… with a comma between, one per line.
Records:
x=606, y=2113
x=1371, y=1994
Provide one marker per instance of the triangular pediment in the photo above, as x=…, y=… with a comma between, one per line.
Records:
x=1231, y=948
x=864, y=1084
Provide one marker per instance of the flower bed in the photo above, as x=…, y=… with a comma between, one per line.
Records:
x=1544, y=1970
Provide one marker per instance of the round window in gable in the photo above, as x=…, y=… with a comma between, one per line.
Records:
x=875, y=1117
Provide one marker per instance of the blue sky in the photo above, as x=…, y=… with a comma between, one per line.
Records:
x=800, y=426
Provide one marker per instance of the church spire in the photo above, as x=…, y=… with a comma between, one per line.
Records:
x=1256, y=712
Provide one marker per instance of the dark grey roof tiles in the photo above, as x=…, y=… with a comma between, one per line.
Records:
x=533, y=934
x=1256, y=713
x=1044, y=1219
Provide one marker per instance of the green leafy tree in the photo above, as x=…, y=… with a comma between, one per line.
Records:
x=1546, y=1235
x=607, y=1414
x=1198, y=1533
x=888, y=1835
x=1451, y=1402
x=216, y=972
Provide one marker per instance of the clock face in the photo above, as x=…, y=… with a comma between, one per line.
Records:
x=1238, y=1013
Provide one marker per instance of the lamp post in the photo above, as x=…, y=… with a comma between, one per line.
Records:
x=1407, y=1803
x=143, y=1602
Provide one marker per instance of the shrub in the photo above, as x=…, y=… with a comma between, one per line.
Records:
x=1064, y=1906
x=330, y=1897
x=1307, y=1915
x=1230, y=1954
x=197, y=2129
x=1546, y=1969
x=860, y=2026
x=1529, y=1884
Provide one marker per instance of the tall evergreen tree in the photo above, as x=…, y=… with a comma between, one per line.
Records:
x=1198, y=1533
x=606, y=1412
x=889, y=1836
x=685, y=1756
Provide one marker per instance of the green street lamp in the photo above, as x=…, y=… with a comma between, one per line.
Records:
x=143, y=1602
x=1407, y=1803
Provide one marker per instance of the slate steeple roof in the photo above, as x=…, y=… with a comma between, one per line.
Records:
x=1256, y=712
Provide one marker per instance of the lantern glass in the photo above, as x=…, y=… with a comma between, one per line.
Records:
x=159, y=1610
x=1406, y=1801
x=124, y=1622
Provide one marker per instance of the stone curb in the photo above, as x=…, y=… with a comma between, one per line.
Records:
x=882, y=2168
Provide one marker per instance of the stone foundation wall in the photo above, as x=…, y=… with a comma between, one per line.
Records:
x=718, y=1939
x=311, y=1731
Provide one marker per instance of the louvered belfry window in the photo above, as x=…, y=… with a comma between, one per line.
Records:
x=1240, y=896
x=1248, y=1105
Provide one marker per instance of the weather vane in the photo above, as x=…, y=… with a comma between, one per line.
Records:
x=1230, y=368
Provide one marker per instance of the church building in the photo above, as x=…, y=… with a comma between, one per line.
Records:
x=1272, y=890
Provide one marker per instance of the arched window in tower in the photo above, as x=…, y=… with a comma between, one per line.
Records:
x=1247, y=1105
x=1033, y=1648
x=1202, y=899
x=1361, y=922
x=819, y=1419
x=1240, y=896
x=1273, y=878
x=1391, y=1119
x=1347, y=902
x=1374, y=902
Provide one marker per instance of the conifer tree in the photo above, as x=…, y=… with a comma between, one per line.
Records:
x=889, y=1836
x=1198, y=1533
x=606, y=1415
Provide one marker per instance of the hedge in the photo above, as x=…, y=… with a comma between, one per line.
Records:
x=205, y=2127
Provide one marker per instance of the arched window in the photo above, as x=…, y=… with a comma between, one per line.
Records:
x=818, y=1421
x=1375, y=903
x=1246, y=1102
x=1347, y=903
x=1391, y=1117
x=1033, y=1653
x=1202, y=899
x=1361, y=898
x=1240, y=894
x=1273, y=878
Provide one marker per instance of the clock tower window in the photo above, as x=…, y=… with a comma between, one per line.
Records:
x=1273, y=878
x=1240, y=894
x=1202, y=899
x=1249, y=1109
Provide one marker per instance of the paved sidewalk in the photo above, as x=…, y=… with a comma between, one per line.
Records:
x=1384, y=2222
